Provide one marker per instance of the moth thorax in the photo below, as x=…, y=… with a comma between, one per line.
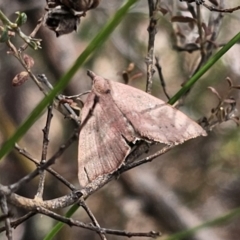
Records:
x=101, y=86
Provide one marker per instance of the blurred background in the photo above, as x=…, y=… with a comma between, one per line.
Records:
x=193, y=183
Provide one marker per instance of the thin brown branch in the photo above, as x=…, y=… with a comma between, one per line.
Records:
x=4, y=208
x=92, y=217
x=151, y=39
x=19, y=221
x=33, y=33
x=49, y=169
x=200, y=32
x=42, y=174
x=42, y=78
x=161, y=78
x=72, y=222
x=48, y=163
x=222, y=10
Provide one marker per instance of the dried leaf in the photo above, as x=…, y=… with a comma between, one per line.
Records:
x=183, y=19
x=229, y=80
x=164, y=11
x=215, y=92
x=230, y=100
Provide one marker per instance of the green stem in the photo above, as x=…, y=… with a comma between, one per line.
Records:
x=6, y=21
x=215, y=222
x=204, y=69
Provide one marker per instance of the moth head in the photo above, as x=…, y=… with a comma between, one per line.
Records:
x=61, y=20
x=99, y=84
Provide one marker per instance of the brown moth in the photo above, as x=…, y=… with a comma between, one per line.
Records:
x=115, y=116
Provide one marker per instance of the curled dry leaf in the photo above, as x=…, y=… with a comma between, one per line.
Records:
x=229, y=80
x=215, y=92
x=164, y=11
x=20, y=78
x=63, y=16
x=183, y=19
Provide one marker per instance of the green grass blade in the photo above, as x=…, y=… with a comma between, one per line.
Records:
x=59, y=225
x=100, y=38
x=215, y=222
x=205, y=68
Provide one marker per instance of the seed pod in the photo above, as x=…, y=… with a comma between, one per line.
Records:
x=80, y=5
x=61, y=21
x=28, y=60
x=21, y=19
x=63, y=16
x=20, y=78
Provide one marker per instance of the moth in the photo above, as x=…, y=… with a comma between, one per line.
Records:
x=63, y=16
x=115, y=116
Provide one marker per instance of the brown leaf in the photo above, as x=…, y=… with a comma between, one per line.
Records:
x=115, y=116
x=183, y=19
x=164, y=11
x=230, y=100
x=229, y=80
x=215, y=92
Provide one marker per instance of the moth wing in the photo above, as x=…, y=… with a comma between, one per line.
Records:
x=152, y=118
x=102, y=147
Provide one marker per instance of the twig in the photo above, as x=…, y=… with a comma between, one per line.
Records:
x=200, y=32
x=20, y=220
x=4, y=216
x=4, y=208
x=42, y=174
x=151, y=38
x=72, y=222
x=145, y=160
x=77, y=95
x=33, y=33
x=42, y=78
x=159, y=69
x=18, y=55
x=51, y=161
x=49, y=169
x=222, y=10
x=92, y=217
x=215, y=24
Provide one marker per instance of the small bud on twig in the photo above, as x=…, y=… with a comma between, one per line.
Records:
x=20, y=78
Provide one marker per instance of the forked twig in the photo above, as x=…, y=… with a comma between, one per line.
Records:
x=151, y=39
x=20, y=220
x=42, y=174
x=72, y=222
x=4, y=208
x=48, y=163
x=49, y=169
x=92, y=217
